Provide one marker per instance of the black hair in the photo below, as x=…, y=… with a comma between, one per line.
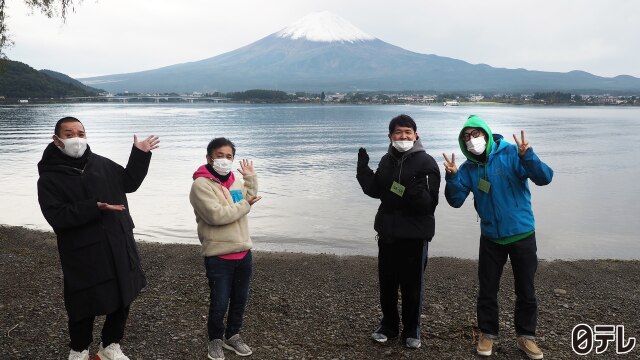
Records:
x=403, y=121
x=220, y=142
x=66, y=119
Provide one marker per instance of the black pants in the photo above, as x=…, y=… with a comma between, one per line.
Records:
x=401, y=264
x=81, y=331
x=524, y=263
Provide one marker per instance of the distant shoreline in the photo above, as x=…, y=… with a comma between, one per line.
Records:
x=16, y=102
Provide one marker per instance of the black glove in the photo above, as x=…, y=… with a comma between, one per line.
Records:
x=363, y=157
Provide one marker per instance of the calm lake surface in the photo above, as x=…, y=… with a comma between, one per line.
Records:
x=305, y=156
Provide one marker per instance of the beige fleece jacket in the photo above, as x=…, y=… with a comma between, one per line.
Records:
x=222, y=224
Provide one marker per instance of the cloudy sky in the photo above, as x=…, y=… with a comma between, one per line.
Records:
x=118, y=36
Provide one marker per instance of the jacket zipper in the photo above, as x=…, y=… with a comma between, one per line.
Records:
x=513, y=193
x=493, y=204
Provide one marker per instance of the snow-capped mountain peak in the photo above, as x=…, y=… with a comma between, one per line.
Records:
x=324, y=27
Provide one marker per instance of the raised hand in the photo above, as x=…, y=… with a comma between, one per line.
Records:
x=363, y=157
x=523, y=144
x=450, y=166
x=109, y=207
x=246, y=169
x=254, y=200
x=147, y=144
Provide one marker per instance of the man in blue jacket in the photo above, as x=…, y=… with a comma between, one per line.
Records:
x=497, y=172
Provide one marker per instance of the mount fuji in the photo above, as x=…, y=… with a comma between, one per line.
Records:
x=324, y=52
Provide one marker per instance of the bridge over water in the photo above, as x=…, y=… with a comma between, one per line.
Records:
x=151, y=98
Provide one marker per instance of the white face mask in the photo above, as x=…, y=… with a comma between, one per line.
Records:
x=74, y=147
x=222, y=166
x=402, y=145
x=476, y=145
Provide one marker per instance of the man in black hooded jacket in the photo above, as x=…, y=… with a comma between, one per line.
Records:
x=82, y=196
x=407, y=183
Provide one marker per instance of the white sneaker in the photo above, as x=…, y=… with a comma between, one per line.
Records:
x=74, y=355
x=111, y=352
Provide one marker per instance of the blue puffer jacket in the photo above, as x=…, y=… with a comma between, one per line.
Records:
x=506, y=209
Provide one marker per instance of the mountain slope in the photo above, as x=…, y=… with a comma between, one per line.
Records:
x=324, y=52
x=22, y=81
x=69, y=80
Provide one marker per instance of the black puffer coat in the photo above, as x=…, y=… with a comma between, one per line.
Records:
x=98, y=253
x=410, y=216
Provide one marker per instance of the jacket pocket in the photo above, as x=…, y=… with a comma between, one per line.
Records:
x=512, y=191
x=87, y=266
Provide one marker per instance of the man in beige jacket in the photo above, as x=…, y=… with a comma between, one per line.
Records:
x=221, y=204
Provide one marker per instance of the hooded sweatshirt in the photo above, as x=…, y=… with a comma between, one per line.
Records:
x=221, y=209
x=410, y=216
x=504, y=207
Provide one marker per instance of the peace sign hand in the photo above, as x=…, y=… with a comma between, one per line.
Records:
x=450, y=166
x=523, y=145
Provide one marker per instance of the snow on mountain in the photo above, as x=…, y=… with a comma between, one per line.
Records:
x=323, y=52
x=324, y=27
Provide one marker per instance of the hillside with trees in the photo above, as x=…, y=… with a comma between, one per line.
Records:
x=69, y=80
x=18, y=80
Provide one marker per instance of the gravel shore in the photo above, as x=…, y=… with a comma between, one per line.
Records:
x=306, y=306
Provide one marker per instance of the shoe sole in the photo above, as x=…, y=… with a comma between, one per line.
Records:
x=380, y=341
x=484, y=353
x=530, y=356
x=228, y=347
x=212, y=358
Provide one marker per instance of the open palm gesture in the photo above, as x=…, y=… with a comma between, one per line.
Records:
x=246, y=168
x=450, y=166
x=147, y=144
x=523, y=144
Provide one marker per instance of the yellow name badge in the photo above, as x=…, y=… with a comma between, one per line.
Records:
x=484, y=185
x=397, y=189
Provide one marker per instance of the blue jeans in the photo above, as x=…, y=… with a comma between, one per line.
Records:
x=229, y=285
x=524, y=263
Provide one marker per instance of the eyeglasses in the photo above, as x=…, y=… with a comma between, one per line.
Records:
x=469, y=134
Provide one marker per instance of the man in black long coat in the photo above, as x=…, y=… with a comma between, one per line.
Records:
x=82, y=196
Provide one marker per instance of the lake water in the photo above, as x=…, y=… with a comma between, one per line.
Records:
x=305, y=156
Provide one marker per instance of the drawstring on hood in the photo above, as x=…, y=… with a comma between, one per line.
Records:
x=401, y=156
